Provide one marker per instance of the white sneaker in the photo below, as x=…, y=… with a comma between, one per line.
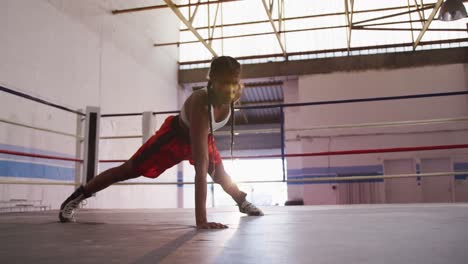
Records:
x=250, y=209
x=68, y=208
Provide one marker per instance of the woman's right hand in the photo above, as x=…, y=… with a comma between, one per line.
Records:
x=211, y=225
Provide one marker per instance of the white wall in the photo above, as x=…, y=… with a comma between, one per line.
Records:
x=76, y=53
x=291, y=95
x=376, y=83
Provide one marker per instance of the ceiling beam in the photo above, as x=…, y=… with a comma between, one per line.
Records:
x=341, y=64
x=421, y=14
x=409, y=29
x=349, y=21
x=270, y=18
x=429, y=6
x=146, y=8
x=310, y=52
x=428, y=22
x=286, y=31
x=189, y=25
x=210, y=36
x=192, y=16
x=306, y=17
x=355, y=25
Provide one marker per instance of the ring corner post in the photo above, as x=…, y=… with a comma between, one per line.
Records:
x=91, y=143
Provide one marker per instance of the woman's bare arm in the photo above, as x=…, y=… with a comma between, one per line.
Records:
x=199, y=128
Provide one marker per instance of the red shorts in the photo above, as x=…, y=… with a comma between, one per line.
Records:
x=166, y=148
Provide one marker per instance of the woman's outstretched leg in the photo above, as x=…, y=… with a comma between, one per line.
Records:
x=98, y=183
x=109, y=177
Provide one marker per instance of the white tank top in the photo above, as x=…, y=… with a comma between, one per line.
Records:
x=216, y=125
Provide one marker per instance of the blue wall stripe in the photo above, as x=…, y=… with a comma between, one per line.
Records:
x=36, y=151
x=37, y=171
x=418, y=171
x=321, y=172
x=36, y=168
x=180, y=178
x=10, y=168
x=331, y=181
x=342, y=171
x=337, y=170
x=461, y=167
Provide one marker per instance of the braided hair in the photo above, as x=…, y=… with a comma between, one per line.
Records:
x=211, y=138
x=221, y=65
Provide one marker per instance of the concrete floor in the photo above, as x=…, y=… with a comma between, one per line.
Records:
x=414, y=233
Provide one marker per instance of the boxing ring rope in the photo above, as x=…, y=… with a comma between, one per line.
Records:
x=386, y=124
x=25, y=154
x=42, y=101
x=361, y=100
x=225, y=133
x=282, y=130
x=139, y=114
x=122, y=137
x=322, y=179
x=346, y=101
x=336, y=153
x=79, y=139
x=347, y=178
x=41, y=129
x=283, y=105
x=358, y=152
x=266, y=131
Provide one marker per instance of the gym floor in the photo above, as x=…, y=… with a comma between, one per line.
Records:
x=392, y=233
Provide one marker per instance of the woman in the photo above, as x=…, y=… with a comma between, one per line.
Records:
x=188, y=136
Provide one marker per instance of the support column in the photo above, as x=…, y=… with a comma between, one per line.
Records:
x=79, y=148
x=91, y=143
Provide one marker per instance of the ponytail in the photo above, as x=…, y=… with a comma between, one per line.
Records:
x=211, y=138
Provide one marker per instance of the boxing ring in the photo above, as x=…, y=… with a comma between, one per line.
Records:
x=91, y=138
x=359, y=233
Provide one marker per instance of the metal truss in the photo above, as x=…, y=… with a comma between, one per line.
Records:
x=277, y=22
